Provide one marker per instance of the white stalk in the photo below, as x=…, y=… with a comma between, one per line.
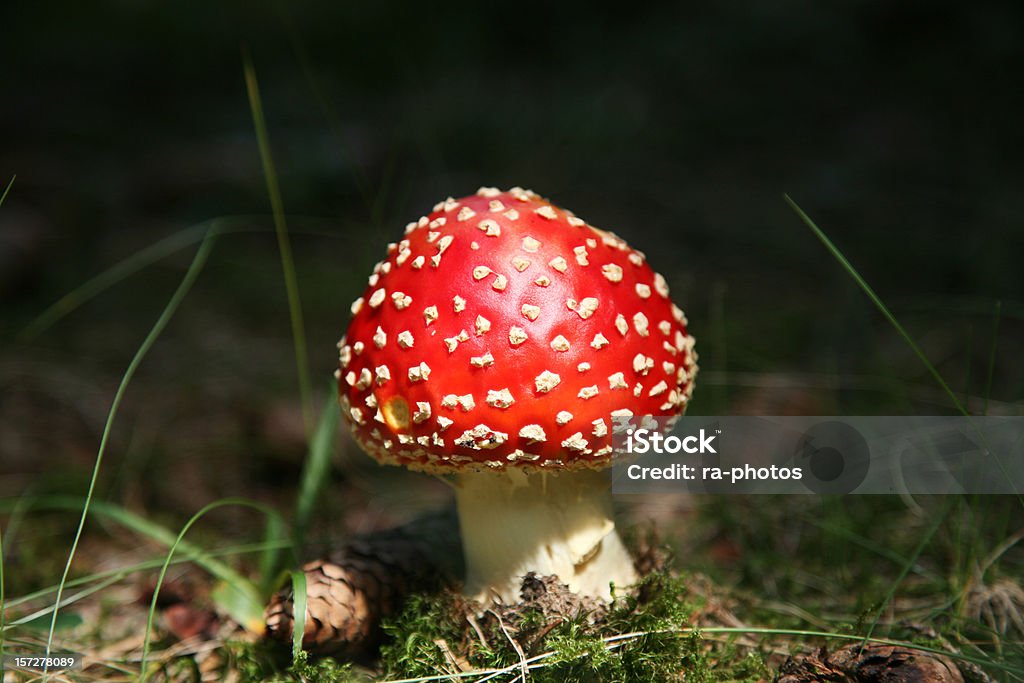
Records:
x=514, y=523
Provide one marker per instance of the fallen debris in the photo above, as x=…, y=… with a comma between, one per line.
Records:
x=872, y=663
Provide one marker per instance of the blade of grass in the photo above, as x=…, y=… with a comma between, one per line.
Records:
x=147, y=528
x=719, y=344
x=866, y=288
x=67, y=304
x=967, y=373
x=992, y=356
x=316, y=468
x=108, y=278
x=64, y=602
x=283, y=242
x=129, y=266
x=165, y=316
x=276, y=541
x=909, y=564
x=870, y=545
x=3, y=598
x=855, y=275
x=299, y=603
x=10, y=184
x=184, y=555
x=314, y=475
x=242, y=586
x=16, y=515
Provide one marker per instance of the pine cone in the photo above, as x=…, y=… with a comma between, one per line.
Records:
x=368, y=579
x=871, y=663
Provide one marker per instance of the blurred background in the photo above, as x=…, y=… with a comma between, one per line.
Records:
x=895, y=125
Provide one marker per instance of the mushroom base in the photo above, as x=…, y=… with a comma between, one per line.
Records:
x=514, y=523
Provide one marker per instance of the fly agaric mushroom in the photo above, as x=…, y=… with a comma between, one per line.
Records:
x=496, y=342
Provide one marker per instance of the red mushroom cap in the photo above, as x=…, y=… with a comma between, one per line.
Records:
x=503, y=331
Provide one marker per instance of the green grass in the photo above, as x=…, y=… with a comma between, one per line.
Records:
x=238, y=596
x=3, y=596
x=877, y=301
x=940, y=518
x=298, y=607
x=316, y=468
x=996, y=316
x=165, y=316
x=10, y=184
x=283, y=243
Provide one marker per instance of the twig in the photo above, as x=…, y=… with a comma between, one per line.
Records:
x=515, y=645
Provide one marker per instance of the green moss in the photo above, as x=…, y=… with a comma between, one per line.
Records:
x=645, y=636
x=262, y=662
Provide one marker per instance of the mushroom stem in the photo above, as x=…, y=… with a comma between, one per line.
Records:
x=548, y=523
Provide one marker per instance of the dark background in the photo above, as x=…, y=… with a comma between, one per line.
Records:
x=896, y=125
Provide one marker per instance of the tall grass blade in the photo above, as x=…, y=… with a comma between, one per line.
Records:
x=110, y=277
x=968, y=354
x=3, y=598
x=283, y=243
x=903, y=333
x=275, y=540
x=183, y=555
x=871, y=546
x=65, y=601
x=853, y=273
x=243, y=595
x=992, y=356
x=67, y=304
x=142, y=258
x=866, y=288
x=145, y=527
x=165, y=316
x=316, y=468
x=911, y=561
x=299, y=603
x=10, y=184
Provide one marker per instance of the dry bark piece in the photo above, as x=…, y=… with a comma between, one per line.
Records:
x=873, y=663
x=368, y=579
